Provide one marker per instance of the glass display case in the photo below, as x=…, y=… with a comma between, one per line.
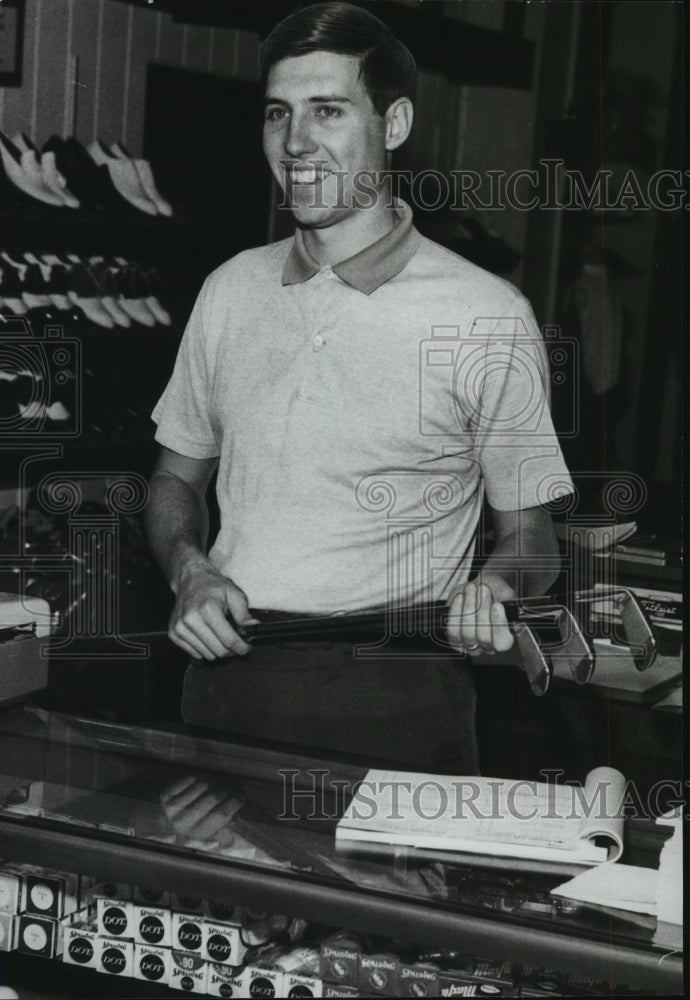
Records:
x=255, y=826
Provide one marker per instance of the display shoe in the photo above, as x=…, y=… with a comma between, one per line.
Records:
x=159, y=311
x=124, y=176
x=11, y=290
x=48, y=173
x=110, y=294
x=143, y=169
x=54, y=180
x=26, y=301
x=57, y=284
x=90, y=183
x=11, y=287
x=10, y=307
x=84, y=291
x=24, y=172
x=29, y=282
x=54, y=286
x=133, y=295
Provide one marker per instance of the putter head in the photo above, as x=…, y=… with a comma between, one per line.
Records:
x=575, y=647
x=637, y=630
x=637, y=633
x=536, y=663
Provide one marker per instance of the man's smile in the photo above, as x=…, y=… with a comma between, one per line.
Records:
x=305, y=173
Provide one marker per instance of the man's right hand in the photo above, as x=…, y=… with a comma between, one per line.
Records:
x=199, y=622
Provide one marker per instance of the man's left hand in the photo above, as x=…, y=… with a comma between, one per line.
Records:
x=477, y=622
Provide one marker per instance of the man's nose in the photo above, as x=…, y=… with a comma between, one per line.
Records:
x=299, y=138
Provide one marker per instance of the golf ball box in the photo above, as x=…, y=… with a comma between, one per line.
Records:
x=115, y=957
x=223, y=943
x=297, y=985
x=152, y=964
x=11, y=884
x=263, y=983
x=188, y=932
x=39, y=936
x=8, y=932
x=115, y=918
x=187, y=972
x=226, y=981
x=80, y=947
x=151, y=925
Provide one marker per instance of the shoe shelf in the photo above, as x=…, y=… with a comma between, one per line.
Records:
x=98, y=274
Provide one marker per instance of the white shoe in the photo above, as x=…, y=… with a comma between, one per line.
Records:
x=143, y=168
x=12, y=307
x=49, y=173
x=24, y=171
x=54, y=180
x=138, y=310
x=124, y=177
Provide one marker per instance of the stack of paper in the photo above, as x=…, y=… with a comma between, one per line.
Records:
x=670, y=882
x=622, y=887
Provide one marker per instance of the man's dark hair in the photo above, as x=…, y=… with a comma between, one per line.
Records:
x=387, y=67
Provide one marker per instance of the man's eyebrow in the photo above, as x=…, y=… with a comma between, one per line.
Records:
x=326, y=99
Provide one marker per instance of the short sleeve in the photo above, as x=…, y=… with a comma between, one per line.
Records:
x=182, y=412
x=514, y=438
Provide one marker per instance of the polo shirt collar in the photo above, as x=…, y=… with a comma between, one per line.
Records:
x=367, y=269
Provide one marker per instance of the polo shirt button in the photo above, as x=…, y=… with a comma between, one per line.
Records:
x=319, y=342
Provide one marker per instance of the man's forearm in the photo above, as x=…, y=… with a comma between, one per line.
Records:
x=527, y=559
x=177, y=526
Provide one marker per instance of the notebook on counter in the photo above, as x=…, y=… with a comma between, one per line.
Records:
x=492, y=817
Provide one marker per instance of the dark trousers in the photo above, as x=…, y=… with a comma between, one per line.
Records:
x=411, y=708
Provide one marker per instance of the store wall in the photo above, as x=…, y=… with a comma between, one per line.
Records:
x=85, y=72
x=85, y=67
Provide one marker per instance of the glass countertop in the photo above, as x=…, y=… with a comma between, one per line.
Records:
x=269, y=810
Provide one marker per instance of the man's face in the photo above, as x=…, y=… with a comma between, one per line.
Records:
x=320, y=130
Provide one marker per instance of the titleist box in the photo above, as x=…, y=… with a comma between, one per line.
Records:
x=49, y=893
x=152, y=964
x=39, y=936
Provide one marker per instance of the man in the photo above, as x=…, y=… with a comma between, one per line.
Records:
x=352, y=463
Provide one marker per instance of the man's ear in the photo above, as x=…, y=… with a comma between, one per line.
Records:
x=399, y=118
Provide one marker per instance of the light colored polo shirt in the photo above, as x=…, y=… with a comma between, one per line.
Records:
x=360, y=412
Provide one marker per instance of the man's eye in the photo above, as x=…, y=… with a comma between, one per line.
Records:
x=275, y=114
x=329, y=111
